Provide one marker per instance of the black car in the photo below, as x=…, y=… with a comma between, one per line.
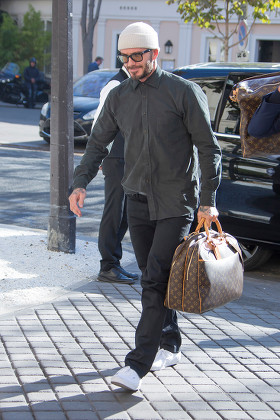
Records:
x=86, y=91
x=248, y=198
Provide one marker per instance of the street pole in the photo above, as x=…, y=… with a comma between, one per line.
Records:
x=62, y=222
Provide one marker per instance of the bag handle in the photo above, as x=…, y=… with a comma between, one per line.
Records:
x=203, y=223
x=220, y=231
x=211, y=243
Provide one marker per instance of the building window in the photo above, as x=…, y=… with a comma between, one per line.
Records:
x=168, y=65
x=214, y=50
x=269, y=51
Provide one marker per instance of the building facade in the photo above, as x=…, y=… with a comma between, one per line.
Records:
x=181, y=44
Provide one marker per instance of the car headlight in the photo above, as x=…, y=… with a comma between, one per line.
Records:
x=45, y=109
x=89, y=115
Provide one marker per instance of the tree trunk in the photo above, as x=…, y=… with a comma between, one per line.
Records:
x=226, y=39
x=88, y=22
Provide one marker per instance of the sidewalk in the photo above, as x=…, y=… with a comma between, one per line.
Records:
x=59, y=349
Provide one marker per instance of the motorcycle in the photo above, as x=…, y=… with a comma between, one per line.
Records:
x=11, y=84
x=13, y=89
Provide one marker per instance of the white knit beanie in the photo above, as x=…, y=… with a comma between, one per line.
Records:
x=138, y=35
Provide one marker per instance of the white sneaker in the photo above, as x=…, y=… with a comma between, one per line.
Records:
x=164, y=359
x=127, y=378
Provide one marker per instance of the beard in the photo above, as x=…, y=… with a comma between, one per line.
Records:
x=146, y=70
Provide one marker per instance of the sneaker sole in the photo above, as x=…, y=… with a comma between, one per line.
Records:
x=122, y=385
x=156, y=370
x=106, y=280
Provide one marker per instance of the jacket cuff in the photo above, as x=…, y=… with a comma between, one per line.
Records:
x=208, y=198
x=274, y=97
x=79, y=184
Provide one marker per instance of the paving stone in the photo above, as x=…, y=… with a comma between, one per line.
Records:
x=48, y=406
x=224, y=405
x=108, y=415
x=14, y=407
x=34, y=397
x=195, y=406
x=166, y=406
x=18, y=415
x=263, y=415
x=51, y=416
x=234, y=415
x=244, y=396
x=144, y=415
x=204, y=415
x=76, y=406
x=274, y=404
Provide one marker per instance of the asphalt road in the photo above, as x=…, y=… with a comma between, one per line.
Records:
x=25, y=175
x=25, y=181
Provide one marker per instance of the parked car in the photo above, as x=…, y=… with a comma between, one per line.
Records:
x=86, y=91
x=248, y=198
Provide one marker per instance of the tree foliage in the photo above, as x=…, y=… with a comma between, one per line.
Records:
x=210, y=14
x=35, y=40
x=9, y=41
x=18, y=44
x=90, y=15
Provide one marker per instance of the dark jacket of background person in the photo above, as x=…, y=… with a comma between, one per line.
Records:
x=167, y=117
x=113, y=225
x=31, y=73
x=266, y=119
x=95, y=64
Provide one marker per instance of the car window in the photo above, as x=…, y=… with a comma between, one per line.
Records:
x=213, y=90
x=91, y=84
x=230, y=119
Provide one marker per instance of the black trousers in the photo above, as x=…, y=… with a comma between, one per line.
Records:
x=154, y=243
x=113, y=225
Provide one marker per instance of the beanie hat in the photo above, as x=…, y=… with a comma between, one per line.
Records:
x=138, y=35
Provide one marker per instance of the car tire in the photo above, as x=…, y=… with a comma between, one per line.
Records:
x=254, y=256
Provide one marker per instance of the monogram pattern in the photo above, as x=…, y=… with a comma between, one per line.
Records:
x=249, y=96
x=199, y=282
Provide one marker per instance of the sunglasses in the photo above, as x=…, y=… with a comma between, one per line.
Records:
x=137, y=57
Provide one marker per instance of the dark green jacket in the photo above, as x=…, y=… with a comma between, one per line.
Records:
x=164, y=121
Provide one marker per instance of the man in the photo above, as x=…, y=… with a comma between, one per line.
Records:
x=31, y=77
x=113, y=225
x=266, y=120
x=164, y=120
x=95, y=64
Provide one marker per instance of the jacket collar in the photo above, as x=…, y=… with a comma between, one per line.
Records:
x=153, y=80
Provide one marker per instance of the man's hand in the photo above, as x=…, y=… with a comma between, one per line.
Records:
x=77, y=197
x=210, y=214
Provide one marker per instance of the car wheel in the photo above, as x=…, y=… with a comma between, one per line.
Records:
x=254, y=256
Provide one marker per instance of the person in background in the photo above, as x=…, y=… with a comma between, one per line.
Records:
x=113, y=225
x=166, y=126
x=266, y=119
x=31, y=76
x=95, y=64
